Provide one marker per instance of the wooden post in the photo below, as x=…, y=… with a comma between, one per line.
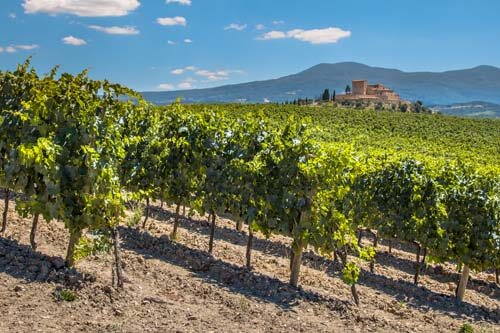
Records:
x=74, y=237
x=5, y=210
x=375, y=244
x=147, y=214
x=212, y=233
x=497, y=275
x=296, y=261
x=417, y=264
x=239, y=225
x=354, y=293
x=118, y=261
x=249, y=246
x=173, y=236
x=462, y=285
x=424, y=259
x=33, y=231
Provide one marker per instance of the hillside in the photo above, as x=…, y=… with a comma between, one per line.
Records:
x=423, y=135
x=481, y=83
x=472, y=109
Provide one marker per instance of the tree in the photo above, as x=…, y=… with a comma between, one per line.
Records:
x=140, y=167
x=87, y=120
x=16, y=90
x=334, y=95
x=326, y=96
x=347, y=89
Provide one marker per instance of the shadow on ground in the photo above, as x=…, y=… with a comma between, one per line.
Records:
x=315, y=261
x=21, y=262
x=225, y=275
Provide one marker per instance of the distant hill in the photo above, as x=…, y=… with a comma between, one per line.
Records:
x=481, y=83
x=471, y=109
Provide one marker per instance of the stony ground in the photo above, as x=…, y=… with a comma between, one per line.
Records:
x=179, y=287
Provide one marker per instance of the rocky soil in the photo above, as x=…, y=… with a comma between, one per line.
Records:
x=179, y=287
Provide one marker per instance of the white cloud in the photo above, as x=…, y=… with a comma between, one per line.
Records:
x=178, y=71
x=88, y=8
x=26, y=47
x=170, y=21
x=260, y=27
x=273, y=35
x=170, y=42
x=216, y=75
x=188, y=41
x=166, y=86
x=314, y=36
x=71, y=40
x=15, y=48
x=115, y=30
x=208, y=75
x=185, y=85
x=266, y=101
x=12, y=15
x=180, y=2
x=236, y=26
x=278, y=22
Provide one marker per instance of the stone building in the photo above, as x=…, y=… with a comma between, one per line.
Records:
x=362, y=91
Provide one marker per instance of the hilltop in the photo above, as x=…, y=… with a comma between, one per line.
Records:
x=480, y=83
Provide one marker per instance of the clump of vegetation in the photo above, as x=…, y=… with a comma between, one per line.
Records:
x=134, y=218
x=96, y=243
x=466, y=328
x=65, y=295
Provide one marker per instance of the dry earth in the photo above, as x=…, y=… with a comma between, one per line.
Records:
x=179, y=287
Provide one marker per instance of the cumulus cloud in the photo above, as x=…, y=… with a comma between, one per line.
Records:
x=236, y=26
x=180, y=2
x=207, y=75
x=273, y=35
x=178, y=71
x=71, y=40
x=15, y=48
x=219, y=75
x=115, y=30
x=313, y=36
x=166, y=86
x=26, y=47
x=185, y=85
x=86, y=8
x=170, y=21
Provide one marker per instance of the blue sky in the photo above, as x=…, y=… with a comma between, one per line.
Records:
x=176, y=44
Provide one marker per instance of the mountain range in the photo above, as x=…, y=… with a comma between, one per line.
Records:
x=480, y=83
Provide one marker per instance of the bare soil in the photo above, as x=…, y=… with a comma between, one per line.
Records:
x=179, y=287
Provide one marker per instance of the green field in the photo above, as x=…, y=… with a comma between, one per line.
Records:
x=475, y=141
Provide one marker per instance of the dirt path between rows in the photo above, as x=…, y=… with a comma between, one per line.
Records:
x=179, y=287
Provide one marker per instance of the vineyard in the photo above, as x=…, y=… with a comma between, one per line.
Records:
x=96, y=158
